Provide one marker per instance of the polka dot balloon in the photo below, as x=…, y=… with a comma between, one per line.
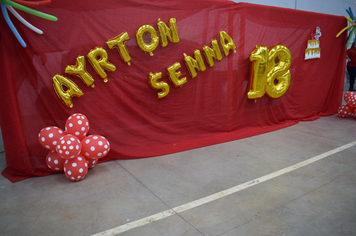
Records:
x=76, y=169
x=78, y=125
x=68, y=146
x=95, y=146
x=49, y=136
x=350, y=99
x=92, y=162
x=345, y=111
x=54, y=161
x=71, y=150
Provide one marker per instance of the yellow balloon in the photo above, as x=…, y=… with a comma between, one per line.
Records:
x=258, y=72
x=147, y=47
x=230, y=45
x=174, y=76
x=80, y=71
x=171, y=32
x=278, y=76
x=72, y=90
x=193, y=64
x=212, y=53
x=119, y=43
x=98, y=58
x=163, y=86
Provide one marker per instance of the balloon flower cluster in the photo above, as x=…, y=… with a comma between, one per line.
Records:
x=350, y=107
x=71, y=150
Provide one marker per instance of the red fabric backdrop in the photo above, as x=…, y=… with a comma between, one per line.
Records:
x=209, y=109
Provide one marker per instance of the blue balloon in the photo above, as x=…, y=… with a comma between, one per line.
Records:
x=351, y=12
x=11, y=25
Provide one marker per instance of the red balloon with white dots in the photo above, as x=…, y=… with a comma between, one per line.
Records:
x=68, y=147
x=76, y=169
x=77, y=125
x=48, y=137
x=95, y=146
x=54, y=161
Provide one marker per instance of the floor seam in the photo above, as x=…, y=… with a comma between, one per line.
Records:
x=169, y=208
x=281, y=206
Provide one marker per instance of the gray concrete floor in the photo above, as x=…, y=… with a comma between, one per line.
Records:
x=317, y=199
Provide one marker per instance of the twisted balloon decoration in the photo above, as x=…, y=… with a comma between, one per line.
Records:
x=352, y=21
x=23, y=6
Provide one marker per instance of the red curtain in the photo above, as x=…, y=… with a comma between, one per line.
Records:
x=209, y=109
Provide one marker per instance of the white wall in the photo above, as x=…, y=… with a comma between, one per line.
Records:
x=333, y=7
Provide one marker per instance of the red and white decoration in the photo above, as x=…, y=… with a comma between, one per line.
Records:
x=350, y=107
x=71, y=150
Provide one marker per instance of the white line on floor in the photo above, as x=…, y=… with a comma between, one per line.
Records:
x=224, y=193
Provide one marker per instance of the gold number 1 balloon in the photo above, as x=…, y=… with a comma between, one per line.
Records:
x=258, y=72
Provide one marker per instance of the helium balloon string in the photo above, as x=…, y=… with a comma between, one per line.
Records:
x=33, y=4
x=29, y=10
x=11, y=25
x=23, y=21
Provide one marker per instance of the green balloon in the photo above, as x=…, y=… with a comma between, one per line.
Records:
x=29, y=10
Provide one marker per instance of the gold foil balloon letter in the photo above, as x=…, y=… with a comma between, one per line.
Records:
x=193, y=64
x=171, y=32
x=174, y=76
x=163, y=86
x=98, y=58
x=212, y=53
x=119, y=43
x=230, y=45
x=59, y=83
x=147, y=47
x=80, y=71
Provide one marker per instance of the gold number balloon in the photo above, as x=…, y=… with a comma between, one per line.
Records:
x=119, y=43
x=258, y=72
x=80, y=71
x=163, y=86
x=147, y=47
x=278, y=76
x=269, y=71
x=98, y=58
x=72, y=90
